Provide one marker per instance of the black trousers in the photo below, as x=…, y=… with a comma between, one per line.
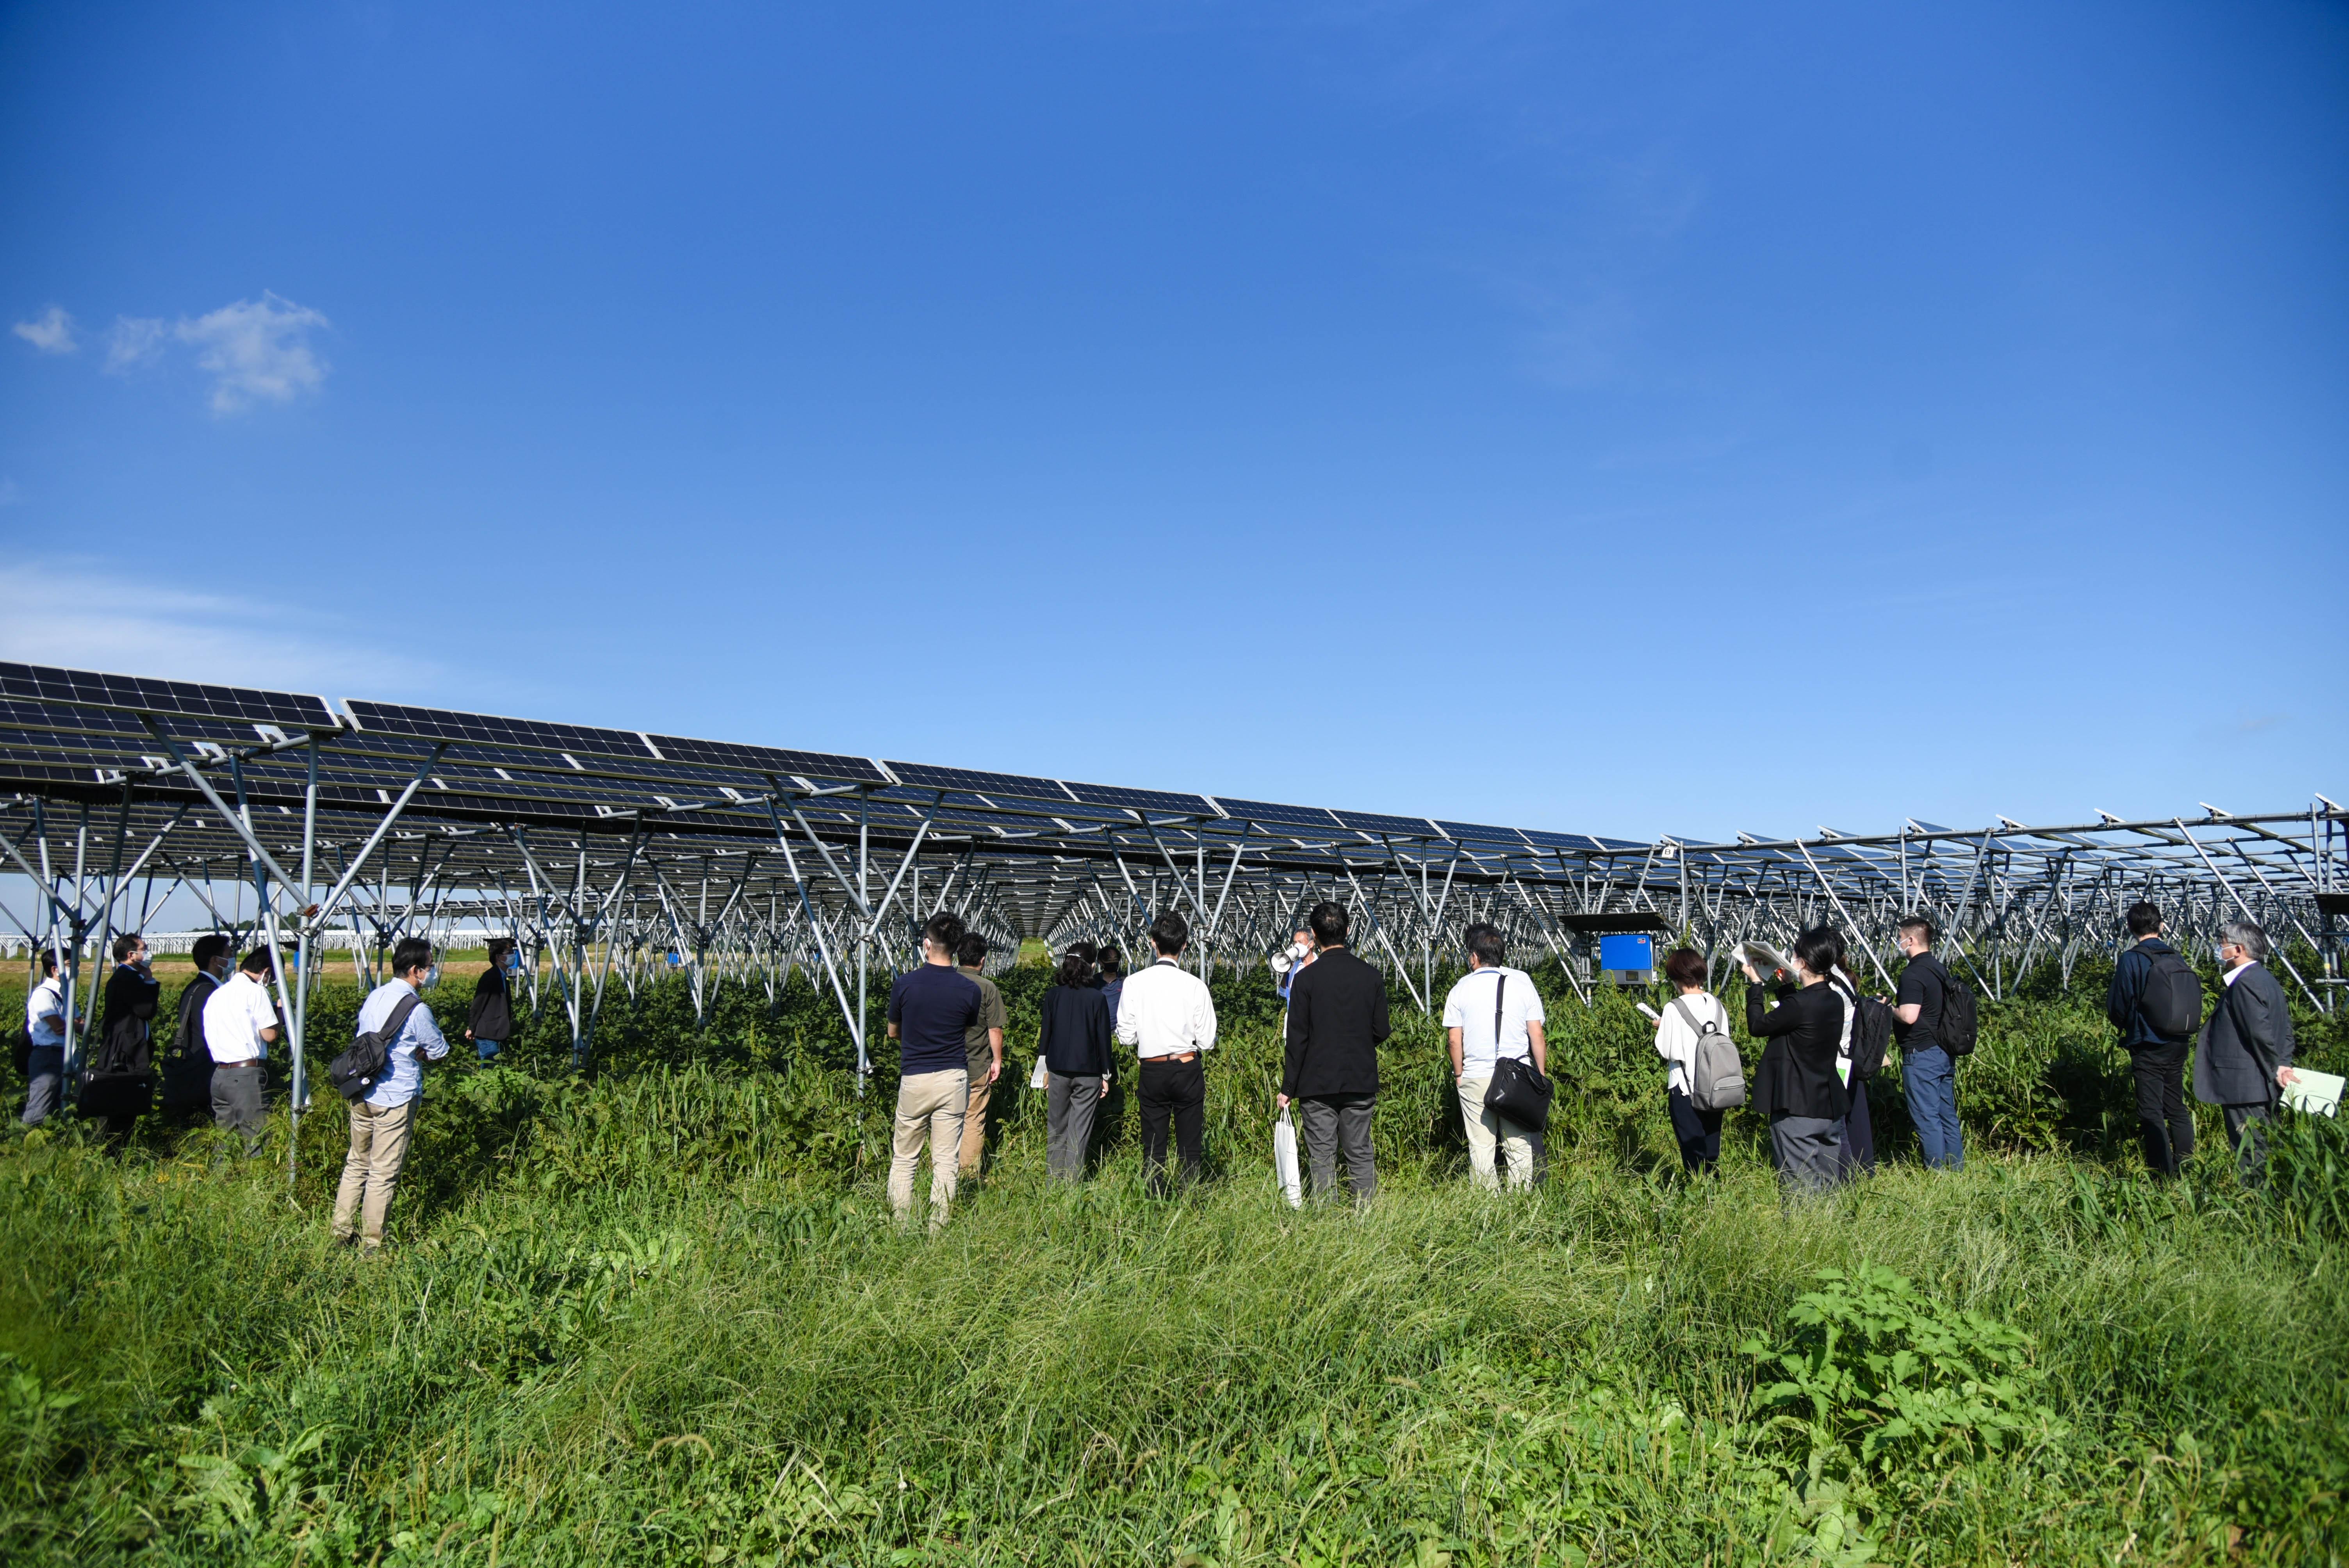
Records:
x=1176, y=1091
x=2164, y=1122
x=1698, y=1131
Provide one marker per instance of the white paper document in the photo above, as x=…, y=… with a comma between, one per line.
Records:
x=2319, y=1094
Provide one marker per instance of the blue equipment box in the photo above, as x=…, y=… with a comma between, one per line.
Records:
x=1627, y=951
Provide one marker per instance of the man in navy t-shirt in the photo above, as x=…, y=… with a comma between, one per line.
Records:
x=928, y=1011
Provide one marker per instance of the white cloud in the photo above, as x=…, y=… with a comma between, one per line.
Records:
x=134, y=340
x=86, y=614
x=51, y=332
x=256, y=350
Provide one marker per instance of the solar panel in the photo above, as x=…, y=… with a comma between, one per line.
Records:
x=1402, y=827
x=923, y=776
x=139, y=694
x=488, y=729
x=1266, y=811
x=1148, y=800
x=1479, y=832
x=820, y=766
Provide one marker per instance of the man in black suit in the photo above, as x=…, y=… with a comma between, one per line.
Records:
x=2245, y=1057
x=1337, y=1016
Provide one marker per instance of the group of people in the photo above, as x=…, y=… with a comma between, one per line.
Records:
x=216, y=1054
x=948, y=1019
x=1810, y=1082
x=1813, y=1090
x=946, y=1013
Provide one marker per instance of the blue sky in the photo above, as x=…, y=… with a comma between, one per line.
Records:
x=1633, y=420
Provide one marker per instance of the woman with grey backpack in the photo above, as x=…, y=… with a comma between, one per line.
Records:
x=1703, y=1075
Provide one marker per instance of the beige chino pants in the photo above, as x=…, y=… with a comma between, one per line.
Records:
x=370, y=1171
x=1490, y=1135
x=930, y=1104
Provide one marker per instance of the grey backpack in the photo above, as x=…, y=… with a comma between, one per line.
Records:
x=1717, y=1078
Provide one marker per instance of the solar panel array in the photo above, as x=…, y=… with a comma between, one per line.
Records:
x=72, y=735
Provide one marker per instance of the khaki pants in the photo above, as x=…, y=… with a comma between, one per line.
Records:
x=1489, y=1134
x=931, y=1102
x=974, y=1123
x=378, y=1149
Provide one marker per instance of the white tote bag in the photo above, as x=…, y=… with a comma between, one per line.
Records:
x=1284, y=1160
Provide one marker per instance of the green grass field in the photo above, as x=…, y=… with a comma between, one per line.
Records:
x=659, y=1315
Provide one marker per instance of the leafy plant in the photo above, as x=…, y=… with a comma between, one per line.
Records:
x=1874, y=1359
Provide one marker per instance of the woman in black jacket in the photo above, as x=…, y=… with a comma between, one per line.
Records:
x=1796, y=1085
x=1073, y=1039
x=491, y=1023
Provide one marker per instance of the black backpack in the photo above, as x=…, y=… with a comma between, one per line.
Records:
x=356, y=1071
x=1871, y=1033
x=2170, y=1002
x=1960, y=1021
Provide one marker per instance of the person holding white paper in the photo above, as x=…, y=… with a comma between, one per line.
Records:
x=2245, y=1060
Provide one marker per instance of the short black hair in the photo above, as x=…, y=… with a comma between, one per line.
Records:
x=1685, y=966
x=1923, y=923
x=1819, y=950
x=1169, y=933
x=413, y=952
x=971, y=950
x=945, y=929
x=1486, y=942
x=209, y=946
x=1110, y=959
x=48, y=961
x=2143, y=917
x=1329, y=922
x=499, y=947
x=256, y=962
x=125, y=944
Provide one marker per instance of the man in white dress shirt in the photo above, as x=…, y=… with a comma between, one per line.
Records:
x=1166, y=1014
x=45, y=1022
x=239, y=1025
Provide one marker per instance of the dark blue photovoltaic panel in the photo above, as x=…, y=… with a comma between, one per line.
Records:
x=489, y=729
x=1398, y=827
x=1582, y=841
x=289, y=711
x=1479, y=833
x=823, y=767
x=1266, y=811
x=97, y=720
x=1159, y=801
x=923, y=776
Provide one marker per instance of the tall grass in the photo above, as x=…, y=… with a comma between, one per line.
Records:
x=659, y=1315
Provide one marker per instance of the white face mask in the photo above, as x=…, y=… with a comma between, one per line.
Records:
x=431, y=978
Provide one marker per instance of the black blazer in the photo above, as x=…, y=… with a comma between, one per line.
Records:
x=126, y=1045
x=2248, y=1037
x=492, y=1015
x=1337, y=1016
x=187, y=1034
x=1073, y=1031
x=1797, y=1072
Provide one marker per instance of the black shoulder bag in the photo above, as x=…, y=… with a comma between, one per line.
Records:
x=356, y=1071
x=1518, y=1092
